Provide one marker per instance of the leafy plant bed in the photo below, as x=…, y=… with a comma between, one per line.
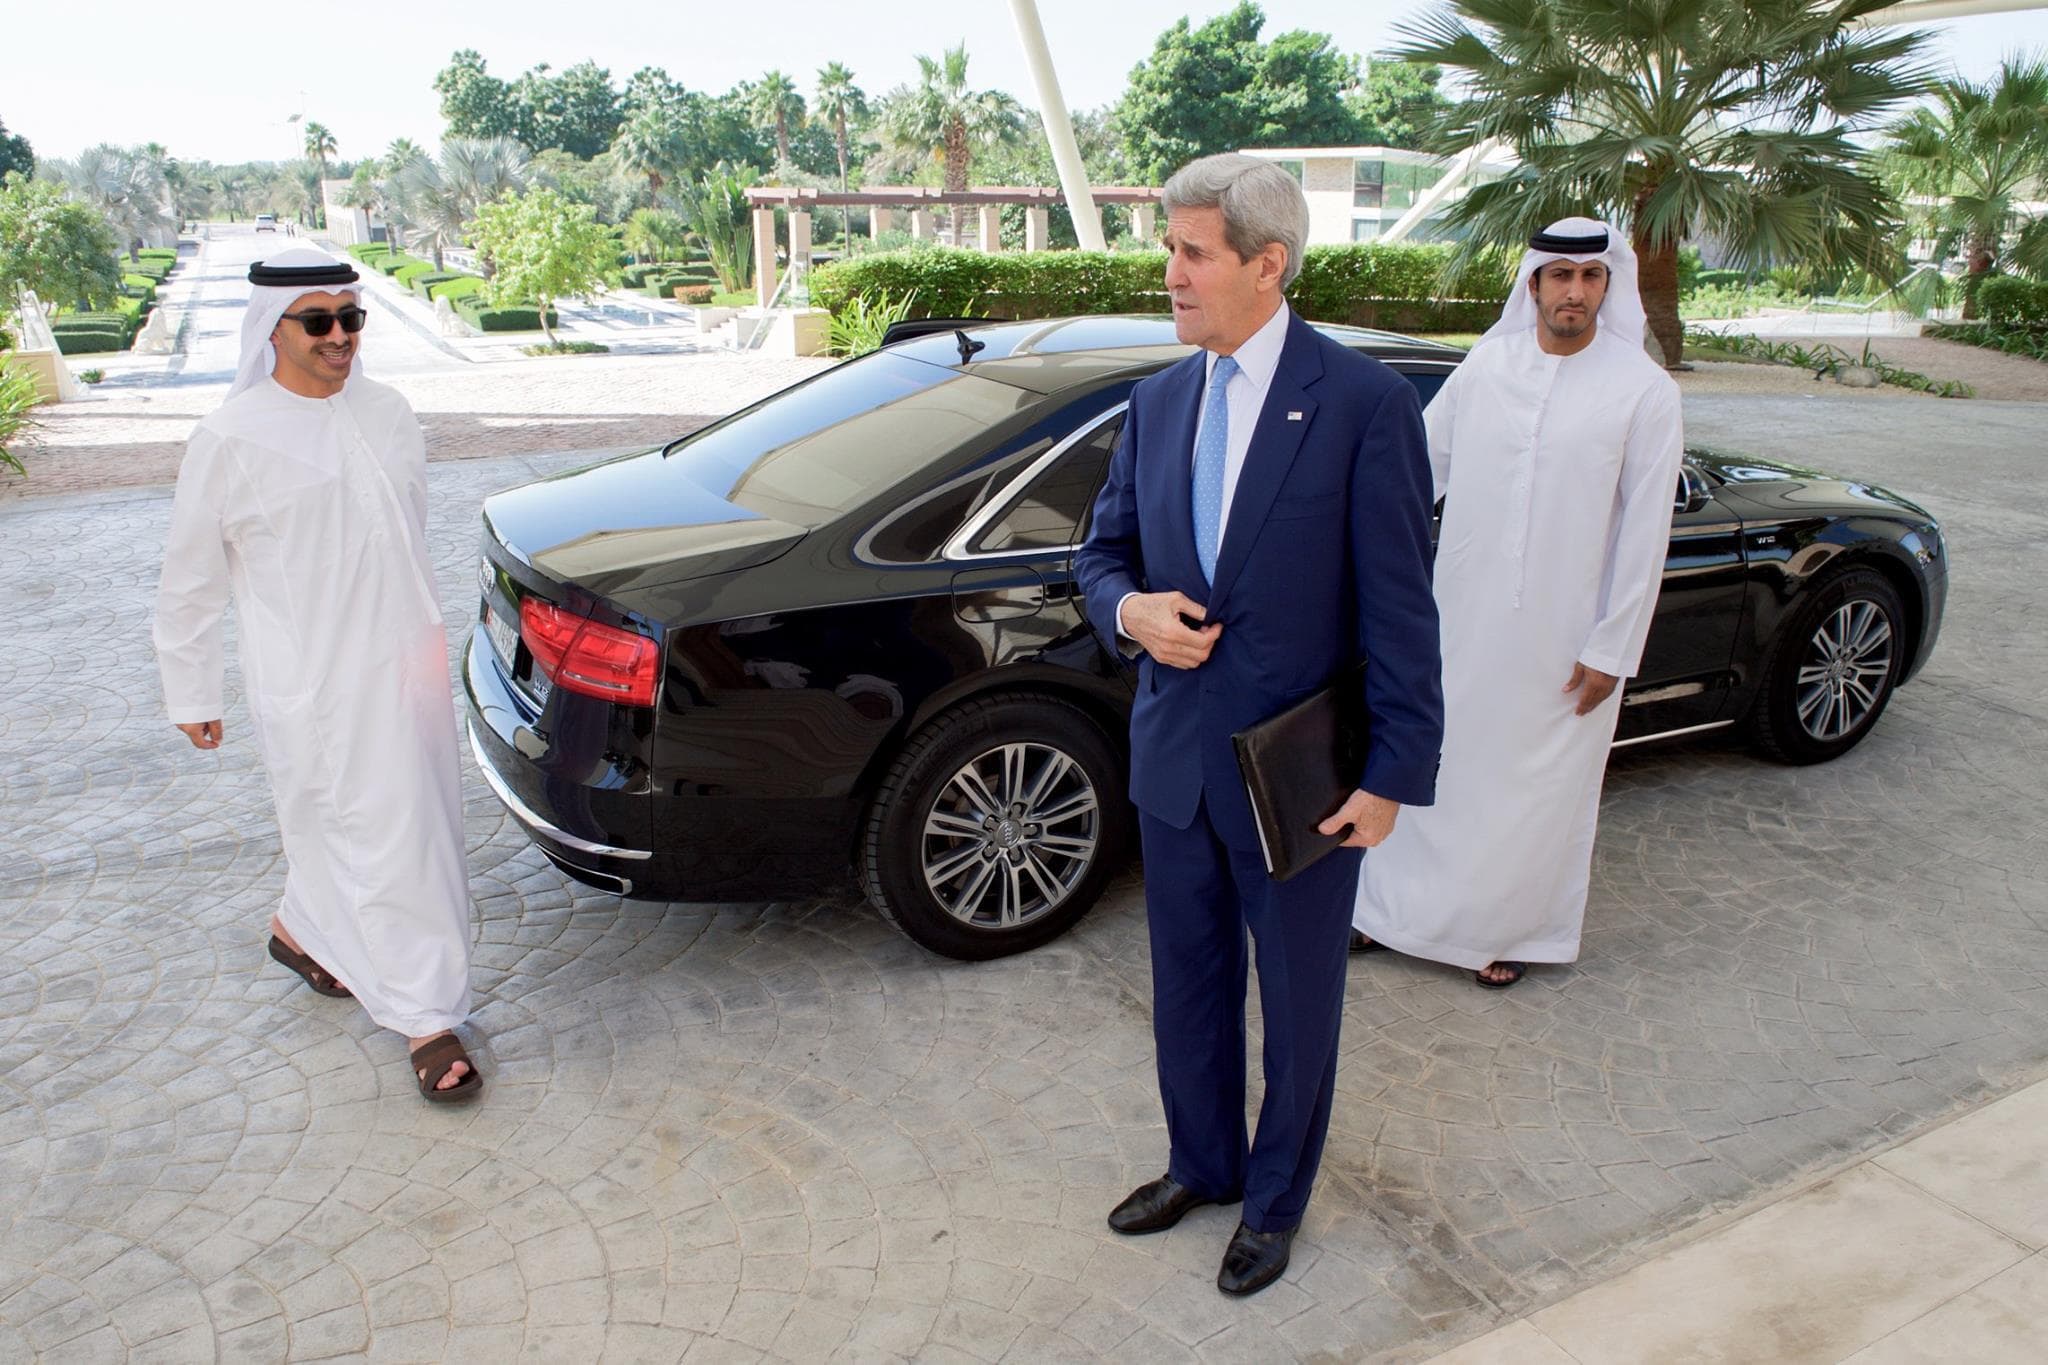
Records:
x=2030, y=342
x=567, y=348
x=1823, y=359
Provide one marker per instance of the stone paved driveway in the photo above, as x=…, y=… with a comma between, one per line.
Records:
x=733, y=1133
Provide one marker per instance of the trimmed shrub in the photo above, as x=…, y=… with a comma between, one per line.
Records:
x=138, y=287
x=411, y=275
x=391, y=264
x=2008, y=299
x=156, y=271
x=511, y=318
x=90, y=341
x=1395, y=286
x=455, y=288
x=694, y=293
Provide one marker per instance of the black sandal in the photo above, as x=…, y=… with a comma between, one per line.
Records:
x=1515, y=970
x=433, y=1060
x=311, y=972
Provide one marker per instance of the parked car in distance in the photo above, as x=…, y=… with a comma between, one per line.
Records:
x=834, y=639
x=266, y=222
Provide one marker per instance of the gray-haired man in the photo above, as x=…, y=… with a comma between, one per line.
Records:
x=1272, y=490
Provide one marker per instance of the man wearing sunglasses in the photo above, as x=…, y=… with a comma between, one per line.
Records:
x=304, y=498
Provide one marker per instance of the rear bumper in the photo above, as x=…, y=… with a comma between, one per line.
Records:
x=583, y=811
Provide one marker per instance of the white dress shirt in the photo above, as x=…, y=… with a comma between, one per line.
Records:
x=1257, y=359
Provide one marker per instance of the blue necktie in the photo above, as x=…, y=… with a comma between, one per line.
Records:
x=1211, y=447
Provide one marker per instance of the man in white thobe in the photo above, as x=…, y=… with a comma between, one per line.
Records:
x=304, y=497
x=1556, y=447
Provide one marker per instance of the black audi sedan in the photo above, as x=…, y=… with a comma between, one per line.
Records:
x=834, y=639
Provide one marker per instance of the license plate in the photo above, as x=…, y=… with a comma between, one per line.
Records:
x=504, y=638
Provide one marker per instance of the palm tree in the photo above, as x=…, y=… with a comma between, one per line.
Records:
x=942, y=117
x=1719, y=117
x=1978, y=151
x=775, y=101
x=445, y=195
x=402, y=152
x=840, y=101
x=652, y=143
x=125, y=185
x=320, y=145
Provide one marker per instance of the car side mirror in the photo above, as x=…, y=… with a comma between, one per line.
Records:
x=1693, y=492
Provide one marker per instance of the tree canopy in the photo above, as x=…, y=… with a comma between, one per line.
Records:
x=1218, y=87
x=15, y=153
x=56, y=245
x=542, y=247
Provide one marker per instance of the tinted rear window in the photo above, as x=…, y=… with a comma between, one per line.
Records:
x=816, y=451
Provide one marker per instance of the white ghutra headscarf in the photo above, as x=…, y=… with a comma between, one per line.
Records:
x=278, y=282
x=1580, y=239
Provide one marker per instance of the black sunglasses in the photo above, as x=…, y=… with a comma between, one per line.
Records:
x=318, y=321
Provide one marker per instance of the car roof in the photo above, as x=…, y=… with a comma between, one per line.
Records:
x=1052, y=354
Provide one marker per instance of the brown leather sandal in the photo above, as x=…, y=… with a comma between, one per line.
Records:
x=1515, y=972
x=433, y=1060
x=311, y=972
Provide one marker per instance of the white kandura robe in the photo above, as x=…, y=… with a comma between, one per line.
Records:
x=1559, y=474
x=313, y=513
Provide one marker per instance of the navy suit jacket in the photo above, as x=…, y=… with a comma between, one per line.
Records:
x=1325, y=561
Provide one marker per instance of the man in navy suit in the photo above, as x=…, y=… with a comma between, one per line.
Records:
x=1264, y=526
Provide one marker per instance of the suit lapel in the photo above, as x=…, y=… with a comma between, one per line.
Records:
x=1276, y=439
x=1180, y=406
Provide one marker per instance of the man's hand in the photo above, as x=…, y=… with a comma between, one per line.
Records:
x=1371, y=819
x=204, y=734
x=1592, y=685
x=1153, y=620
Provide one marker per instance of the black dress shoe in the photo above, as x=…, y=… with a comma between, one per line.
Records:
x=1155, y=1206
x=1253, y=1260
x=1361, y=944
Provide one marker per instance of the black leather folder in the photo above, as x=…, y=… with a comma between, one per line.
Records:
x=1300, y=767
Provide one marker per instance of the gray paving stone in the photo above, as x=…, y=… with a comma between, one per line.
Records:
x=740, y=1133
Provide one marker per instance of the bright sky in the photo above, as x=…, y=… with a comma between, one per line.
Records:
x=218, y=81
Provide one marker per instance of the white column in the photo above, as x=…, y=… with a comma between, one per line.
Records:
x=799, y=239
x=880, y=220
x=1037, y=229
x=920, y=224
x=1059, y=129
x=1144, y=218
x=991, y=227
x=764, y=256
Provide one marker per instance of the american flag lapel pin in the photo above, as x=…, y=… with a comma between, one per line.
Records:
x=1293, y=416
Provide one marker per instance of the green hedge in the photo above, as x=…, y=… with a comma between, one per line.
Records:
x=406, y=274
x=366, y=251
x=2010, y=299
x=512, y=318
x=150, y=268
x=391, y=264
x=649, y=275
x=82, y=341
x=138, y=287
x=457, y=287
x=1395, y=286
x=423, y=284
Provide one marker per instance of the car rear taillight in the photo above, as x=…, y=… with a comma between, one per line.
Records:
x=587, y=656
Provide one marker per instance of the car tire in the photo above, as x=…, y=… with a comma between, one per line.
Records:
x=996, y=827
x=1832, y=669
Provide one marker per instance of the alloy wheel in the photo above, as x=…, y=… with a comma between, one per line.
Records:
x=1846, y=670
x=1010, y=835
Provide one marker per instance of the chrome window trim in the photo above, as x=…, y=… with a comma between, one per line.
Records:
x=956, y=551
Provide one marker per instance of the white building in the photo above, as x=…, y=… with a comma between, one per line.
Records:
x=1357, y=193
